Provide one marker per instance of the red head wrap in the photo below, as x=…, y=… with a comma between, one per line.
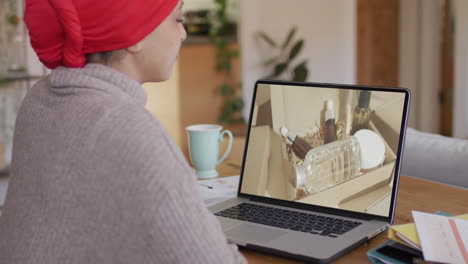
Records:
x=63, y=31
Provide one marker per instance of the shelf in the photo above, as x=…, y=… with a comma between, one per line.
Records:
x=17, y=77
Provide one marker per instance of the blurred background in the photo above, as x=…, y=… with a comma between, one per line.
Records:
x=418, y=44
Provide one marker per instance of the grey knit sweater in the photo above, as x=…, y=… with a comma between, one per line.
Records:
x=96, y=179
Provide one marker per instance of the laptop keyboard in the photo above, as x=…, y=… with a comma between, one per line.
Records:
x=288, y=219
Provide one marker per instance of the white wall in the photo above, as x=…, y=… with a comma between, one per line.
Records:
x=460, y=111
x=419, y=66
x=328, y=28
x=409, y=56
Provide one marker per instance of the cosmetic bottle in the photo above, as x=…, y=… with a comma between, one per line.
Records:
x=346, y=113
x=339, y=161
x=298, y=145
x=362, y=113
x=330, y=123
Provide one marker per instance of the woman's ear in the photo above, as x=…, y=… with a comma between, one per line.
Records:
x=135, y=48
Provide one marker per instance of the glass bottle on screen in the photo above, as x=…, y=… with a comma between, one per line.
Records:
x=330, y=124
x=362, y=113
x=298, y=145
x=339, y=161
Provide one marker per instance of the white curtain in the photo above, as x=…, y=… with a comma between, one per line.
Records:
x=419, y=69
x=13, y=43
x=10, y=100
x=460, y=111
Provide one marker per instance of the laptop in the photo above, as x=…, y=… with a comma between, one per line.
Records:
x=320, y=169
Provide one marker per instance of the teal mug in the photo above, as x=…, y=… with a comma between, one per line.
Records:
x=204, y=142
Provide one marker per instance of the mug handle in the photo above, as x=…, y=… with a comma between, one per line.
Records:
x=221, y=138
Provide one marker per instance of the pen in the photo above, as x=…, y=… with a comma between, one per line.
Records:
x=209, y=187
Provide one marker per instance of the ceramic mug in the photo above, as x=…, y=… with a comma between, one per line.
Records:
x=204, y=142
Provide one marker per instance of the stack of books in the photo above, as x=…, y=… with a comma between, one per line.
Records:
x=429, y=239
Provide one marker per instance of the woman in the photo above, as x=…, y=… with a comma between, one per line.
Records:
x=95, y=178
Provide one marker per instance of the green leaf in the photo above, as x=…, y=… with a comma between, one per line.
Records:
x=290, y=36
x=300, y=72
x=221, y=3
x=227, y=66
x=296, y=49
x=267, y=39
x=279, y=69
x=271, y=61
x=234, y=53
x=224, y=65
x=223, y=21
x=228, y=108
x=221, y=44
x=239, y=103
x=226, y=89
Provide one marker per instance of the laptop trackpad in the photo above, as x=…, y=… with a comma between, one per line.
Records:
x=254, y=233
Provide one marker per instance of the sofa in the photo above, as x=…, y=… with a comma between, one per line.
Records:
x=436, y=158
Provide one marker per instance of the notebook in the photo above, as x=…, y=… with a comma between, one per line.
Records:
x=320, y=169
x=408, y=235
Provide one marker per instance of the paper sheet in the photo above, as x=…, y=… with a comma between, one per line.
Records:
x=408, y=231
x=443, y=239
x=217, y=190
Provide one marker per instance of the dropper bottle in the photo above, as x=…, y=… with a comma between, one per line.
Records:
x=298, y=145
x=362, y=112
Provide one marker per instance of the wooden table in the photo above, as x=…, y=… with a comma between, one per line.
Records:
x=413, y=194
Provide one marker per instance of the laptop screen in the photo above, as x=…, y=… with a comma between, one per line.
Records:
x=325, y=145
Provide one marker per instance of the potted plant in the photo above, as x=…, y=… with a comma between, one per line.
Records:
x=282, y=63
x=221, y=32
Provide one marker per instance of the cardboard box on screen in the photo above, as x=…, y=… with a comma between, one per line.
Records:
x=301, y=110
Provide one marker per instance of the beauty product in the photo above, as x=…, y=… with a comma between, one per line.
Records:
x=338, y=161
x=330, y=124
x=362, y=113
x=374, y=155
x=346, y=113
x=298, y=145
x=347, y=120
